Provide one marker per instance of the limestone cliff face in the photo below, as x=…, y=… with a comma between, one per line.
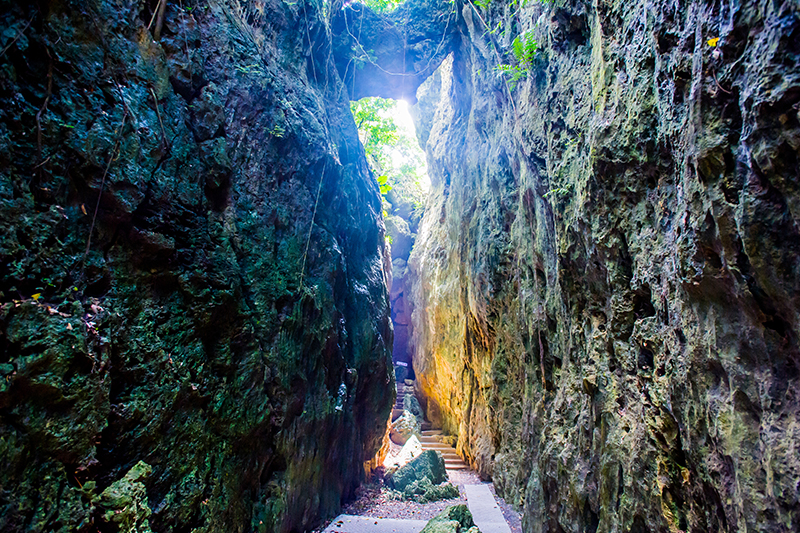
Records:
x=606, y=310
x=193, y=307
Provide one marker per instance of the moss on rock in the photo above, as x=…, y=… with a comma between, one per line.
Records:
x=454, y=519
x=429, y=464
x=171, y=289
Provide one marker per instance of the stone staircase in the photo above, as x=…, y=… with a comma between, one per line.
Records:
x=402, y=391
x=431, y=439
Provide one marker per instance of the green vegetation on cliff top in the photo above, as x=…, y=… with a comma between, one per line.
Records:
x=392, y=151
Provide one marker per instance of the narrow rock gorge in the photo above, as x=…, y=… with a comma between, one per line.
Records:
x=604, y=291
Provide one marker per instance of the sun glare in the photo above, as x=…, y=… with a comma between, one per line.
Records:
x=402, y=118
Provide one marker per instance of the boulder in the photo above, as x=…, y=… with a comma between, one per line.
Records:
x=399, y=271
x=411, y=449
x=429, y=464
x=423, y=491
x=400, y=373
x=404, y=427
x=402, y=238
x=454, y=519
x=411, y=404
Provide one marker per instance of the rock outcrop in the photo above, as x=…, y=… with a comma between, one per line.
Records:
x=454, y=519
x=193, y=268
x=391, y=55
x=606, y=311
x=193, y=294
x=404, y=428
x=423, y=491
x=429, y=464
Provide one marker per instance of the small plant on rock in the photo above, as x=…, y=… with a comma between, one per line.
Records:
x=524, y=47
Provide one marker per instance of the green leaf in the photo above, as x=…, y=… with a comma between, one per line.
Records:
x=393, y=155
x=382, y=6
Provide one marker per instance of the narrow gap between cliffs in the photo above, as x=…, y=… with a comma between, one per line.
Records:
x=388, y=135
x=441, y=481
x=437, y=476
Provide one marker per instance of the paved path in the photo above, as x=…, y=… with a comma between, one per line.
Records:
x=485, y=511
x=480, y=500
x=484, y=508
x=345, y=523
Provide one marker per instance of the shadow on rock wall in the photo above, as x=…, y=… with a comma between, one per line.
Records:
x=607, y=300
x=216, y=354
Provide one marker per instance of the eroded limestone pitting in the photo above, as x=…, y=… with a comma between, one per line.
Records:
x=606, y=310
x=203, y=333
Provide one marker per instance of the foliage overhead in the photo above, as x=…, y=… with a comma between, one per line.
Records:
x=394, y=154
x=376, y=128
x=382, y=6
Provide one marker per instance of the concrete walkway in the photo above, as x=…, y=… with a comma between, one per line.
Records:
x=346, y=523
x=485, y=511
x=480, y=500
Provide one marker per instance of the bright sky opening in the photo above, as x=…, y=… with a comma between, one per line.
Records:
x=402, y=118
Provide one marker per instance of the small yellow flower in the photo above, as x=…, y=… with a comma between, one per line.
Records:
x=713, y=42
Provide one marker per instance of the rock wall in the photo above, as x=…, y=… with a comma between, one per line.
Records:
x=606, y=311
x=402, y=233
x=194, y=319
x=402, y=349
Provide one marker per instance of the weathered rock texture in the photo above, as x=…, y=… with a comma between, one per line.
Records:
x=609, y=270
x=171, y=289
x=429, y=464
x=404, y=428
x=391, y=55
x=454, y=519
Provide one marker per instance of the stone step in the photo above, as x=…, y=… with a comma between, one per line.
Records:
x=436, y=445
x=448, y=455
x=426, y=426
x=396, y=414
x=444, y=451
x=431, y=432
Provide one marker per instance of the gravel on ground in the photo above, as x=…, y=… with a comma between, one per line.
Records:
x=373, y=499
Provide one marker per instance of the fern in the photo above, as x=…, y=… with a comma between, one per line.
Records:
x=525, y=48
